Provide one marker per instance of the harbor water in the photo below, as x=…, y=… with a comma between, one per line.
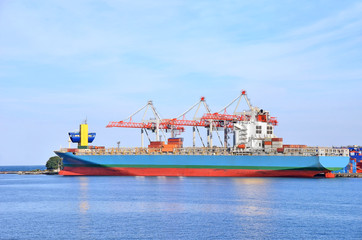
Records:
x=58, y=207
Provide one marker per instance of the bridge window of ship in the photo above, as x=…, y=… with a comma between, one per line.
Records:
x=258, y=129
x=269, y=130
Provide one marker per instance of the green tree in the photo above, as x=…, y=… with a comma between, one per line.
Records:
x=54, y=163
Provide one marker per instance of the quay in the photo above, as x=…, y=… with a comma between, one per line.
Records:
x=348, y=175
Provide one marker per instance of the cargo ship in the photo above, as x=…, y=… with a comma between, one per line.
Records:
x=253, y=150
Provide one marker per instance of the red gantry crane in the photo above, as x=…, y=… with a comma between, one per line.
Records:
x=153, y=124
x=220, y=120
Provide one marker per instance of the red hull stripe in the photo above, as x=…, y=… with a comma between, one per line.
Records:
x=187, y=172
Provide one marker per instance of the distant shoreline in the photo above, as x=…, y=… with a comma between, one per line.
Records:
x=32, y=172
x=16, y=168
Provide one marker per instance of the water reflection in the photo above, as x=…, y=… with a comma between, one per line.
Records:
x=237, y=196
x=83, y=195
x=251, y=181
x=253, y=196
x=164, y=197
x=254, y=205
x=84, y=218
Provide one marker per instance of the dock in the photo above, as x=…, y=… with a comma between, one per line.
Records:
x=348, y=175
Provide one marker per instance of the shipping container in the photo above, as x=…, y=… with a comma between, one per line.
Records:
x=72, y=150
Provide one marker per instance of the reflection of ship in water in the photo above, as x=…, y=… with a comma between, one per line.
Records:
x=83, y=207
x=250, y=189
x=254, y=204
x=83, y=195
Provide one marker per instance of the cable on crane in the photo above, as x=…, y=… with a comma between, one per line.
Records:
x=200, y=136
x=218, y=135
x=147, y=135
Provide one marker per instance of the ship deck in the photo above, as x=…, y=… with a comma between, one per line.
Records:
x=309, y=151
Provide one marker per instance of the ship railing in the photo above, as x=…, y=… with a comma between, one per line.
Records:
x=63, y=150
x=306, y=151
x=202, y=151
x=148, y=151
x=317, y=151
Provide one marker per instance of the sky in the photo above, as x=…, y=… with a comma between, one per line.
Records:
x=62, y=62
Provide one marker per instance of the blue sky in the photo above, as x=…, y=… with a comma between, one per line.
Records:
x=62, y=61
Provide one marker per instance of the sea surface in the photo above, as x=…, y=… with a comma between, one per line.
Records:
x=58, y=207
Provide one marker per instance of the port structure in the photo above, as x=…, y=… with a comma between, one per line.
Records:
x=246, y=126
x=155, y=124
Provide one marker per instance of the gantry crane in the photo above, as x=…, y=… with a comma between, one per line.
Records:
x=153, y=124
x=217, y=121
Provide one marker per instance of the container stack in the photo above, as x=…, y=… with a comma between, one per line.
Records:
x=294, y=146
x=272, y=144
x=293, y=149
x=156, y=146
x=355, y=161
x=277, y=143
x=356, y=156
x=172, y=144
x=268, y=144
x=178, y=142
x=73, y=150
x=96, y=147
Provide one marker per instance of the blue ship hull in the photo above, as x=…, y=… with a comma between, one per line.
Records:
x=200, y=165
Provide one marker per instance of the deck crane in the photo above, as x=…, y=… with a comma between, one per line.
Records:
x=250, y=126
x=195, y=122
x=225, y=121
x=254, y=113
x=175, y=125
x=220, y=120
x=208, y=120
x=153, y=124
